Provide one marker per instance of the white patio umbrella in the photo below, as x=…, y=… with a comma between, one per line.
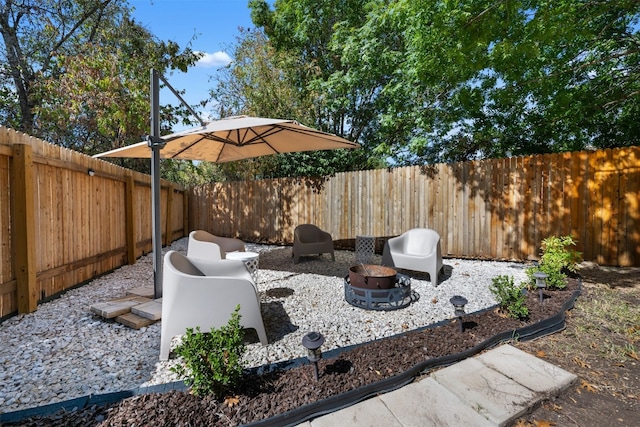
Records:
x=224, y=140
x=236, y=138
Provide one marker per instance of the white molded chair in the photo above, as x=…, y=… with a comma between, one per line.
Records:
x=204, y=294
x=310, y=240
x=417, y=249
x=206, y=246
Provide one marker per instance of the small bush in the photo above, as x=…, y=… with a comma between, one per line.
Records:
x=556, y=260
x=510, y=297
x=212, y=361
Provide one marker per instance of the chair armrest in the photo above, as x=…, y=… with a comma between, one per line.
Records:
x=223, y=268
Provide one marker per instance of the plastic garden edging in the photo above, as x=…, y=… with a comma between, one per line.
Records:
x=334, y=403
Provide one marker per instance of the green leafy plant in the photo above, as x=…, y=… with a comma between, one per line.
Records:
x=212, y=362
x=556, y=261
x=510, y=296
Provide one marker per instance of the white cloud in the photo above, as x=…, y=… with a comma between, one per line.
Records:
x=212, y=60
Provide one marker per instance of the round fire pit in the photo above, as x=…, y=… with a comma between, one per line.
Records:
x=393, y=298
x=369, y=276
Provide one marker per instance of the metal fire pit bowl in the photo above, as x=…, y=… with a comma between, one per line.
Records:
x=393, y=298
x=372, y=276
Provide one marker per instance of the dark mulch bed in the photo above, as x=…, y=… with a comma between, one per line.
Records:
x=273, y=393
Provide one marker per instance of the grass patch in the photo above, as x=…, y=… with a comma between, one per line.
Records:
x=607, y=321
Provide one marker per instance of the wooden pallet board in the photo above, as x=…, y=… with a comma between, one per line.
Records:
x=143, y=291
x=151, y=310
x=133, y=320
x=114, y=308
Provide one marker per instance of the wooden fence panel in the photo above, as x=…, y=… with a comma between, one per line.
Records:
x=80, y=219
x=496, y=208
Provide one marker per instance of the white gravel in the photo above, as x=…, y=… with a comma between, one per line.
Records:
x=62, y=351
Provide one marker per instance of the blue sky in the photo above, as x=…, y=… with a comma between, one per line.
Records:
x=213, y=23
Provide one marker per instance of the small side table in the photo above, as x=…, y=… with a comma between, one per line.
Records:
x=365, y=248
x=250, y=259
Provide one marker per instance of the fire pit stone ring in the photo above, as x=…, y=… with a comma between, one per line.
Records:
x=394, y=298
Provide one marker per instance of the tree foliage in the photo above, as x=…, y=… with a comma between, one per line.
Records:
x=76, y=73
x=261, y=82
x=418, y=80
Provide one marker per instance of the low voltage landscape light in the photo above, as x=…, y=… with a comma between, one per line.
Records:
x=541, y=283
x=458, y=305
x=312, y=342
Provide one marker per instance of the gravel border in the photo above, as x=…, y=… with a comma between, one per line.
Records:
x=63, y=351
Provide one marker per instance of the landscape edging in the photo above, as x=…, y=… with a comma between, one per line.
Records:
x=331, y=404
x=334, y=403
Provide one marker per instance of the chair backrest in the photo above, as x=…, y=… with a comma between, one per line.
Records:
x=180, y=263
x=202, y=236
x=421, y=240
x=307, y=233
x=202, y=246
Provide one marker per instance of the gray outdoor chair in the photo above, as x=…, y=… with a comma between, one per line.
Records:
x=417, y=249
x=310, y=240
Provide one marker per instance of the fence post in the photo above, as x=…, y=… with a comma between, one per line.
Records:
x=130, y=218
x=185, y=213
x=169, y=223
x=24, y=226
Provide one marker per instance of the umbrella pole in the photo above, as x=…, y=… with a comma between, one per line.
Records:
x=155, y=143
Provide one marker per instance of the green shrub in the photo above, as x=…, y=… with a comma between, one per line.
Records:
x=557, y=259
x=510, y=297
x=212, y=361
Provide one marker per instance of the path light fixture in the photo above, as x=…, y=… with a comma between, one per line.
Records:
x=312, y=342
x=541, y=283
x=458, y=305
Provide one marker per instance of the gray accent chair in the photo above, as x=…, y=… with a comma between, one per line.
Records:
x=417, y=249
x=310, y=240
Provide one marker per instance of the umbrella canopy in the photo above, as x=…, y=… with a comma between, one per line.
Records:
x=225, y=140
x=237, y=138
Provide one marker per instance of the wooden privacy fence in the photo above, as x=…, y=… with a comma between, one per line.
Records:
x=500, y=208
x=61, y=226
x=66, y=218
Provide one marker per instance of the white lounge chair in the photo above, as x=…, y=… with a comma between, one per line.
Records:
x=310, y=240
x=198, y=293
x=417, y=249
x=206, y=246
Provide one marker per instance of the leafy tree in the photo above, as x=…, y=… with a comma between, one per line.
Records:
x=99, y=99
x=445, y=81
x=261, y=82
x=304, y=31
x=77, y=74
x=34, y=33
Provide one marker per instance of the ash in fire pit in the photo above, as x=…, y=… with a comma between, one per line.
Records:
x=374, y=287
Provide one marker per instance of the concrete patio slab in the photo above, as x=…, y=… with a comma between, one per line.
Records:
x=371, y=412
x=490, y=393
x=525, y=369
x=427, y=403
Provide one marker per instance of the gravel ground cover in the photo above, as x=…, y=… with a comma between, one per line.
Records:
x=62, y=351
